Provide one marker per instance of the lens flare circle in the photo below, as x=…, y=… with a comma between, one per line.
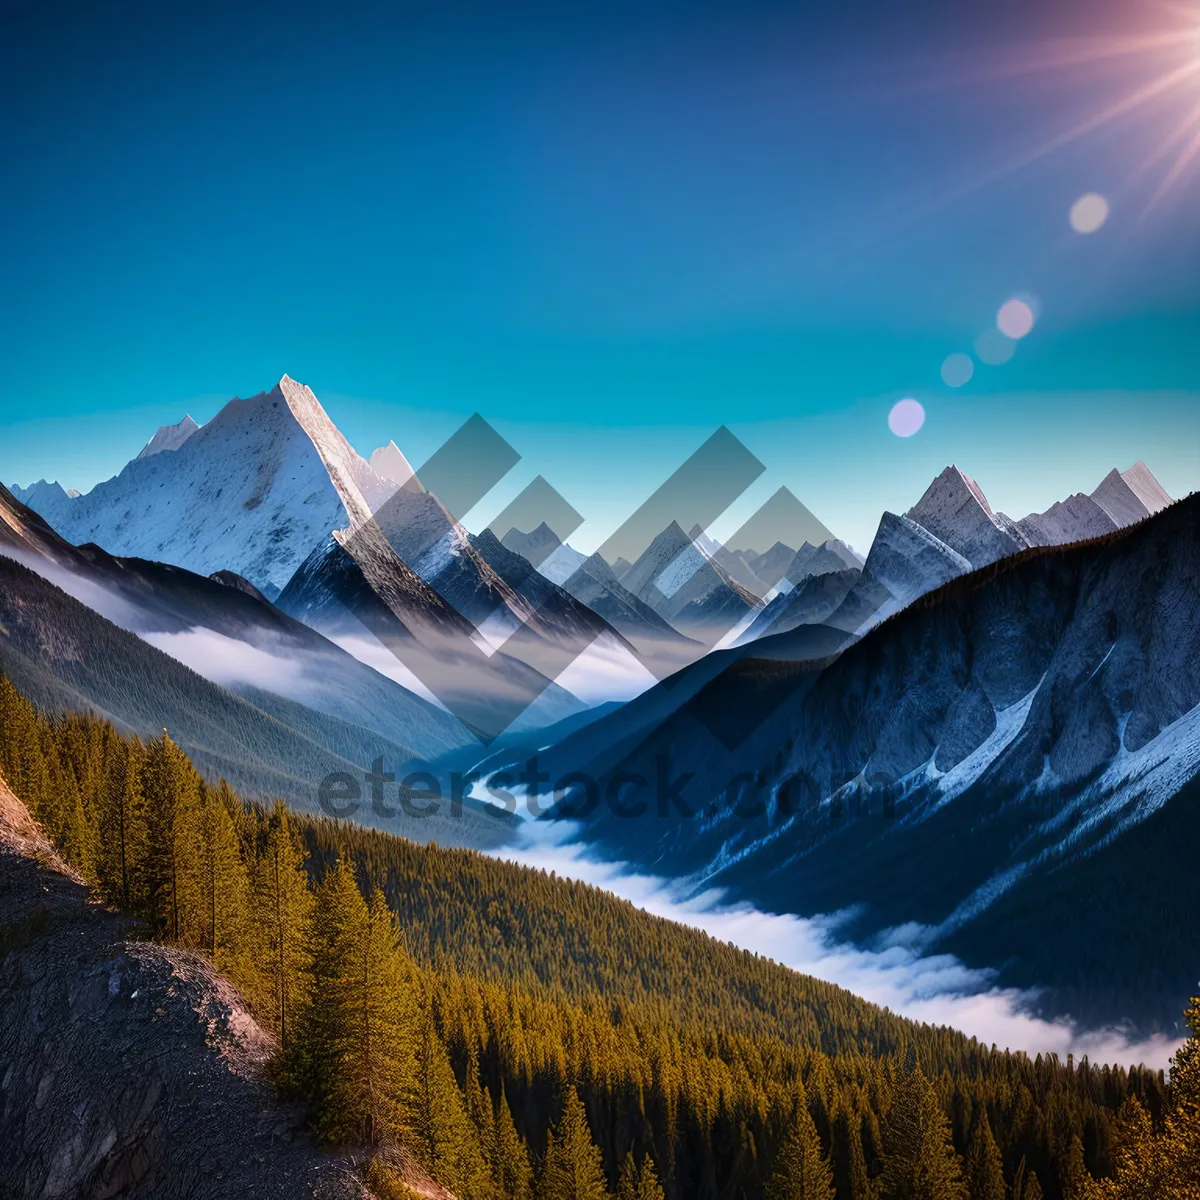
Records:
x=957, y=370
x=1089, y=213
x=994, y=348
x=906, y=417
x=1015, y=319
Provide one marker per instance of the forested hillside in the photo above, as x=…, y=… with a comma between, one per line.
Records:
x=64, y=656
x=531, y=1038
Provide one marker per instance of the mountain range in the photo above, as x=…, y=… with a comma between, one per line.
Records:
x=253, y=695
x=1019, y=695
x=261, y=489
x=979, y=769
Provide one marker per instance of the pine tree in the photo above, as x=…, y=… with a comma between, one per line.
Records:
x=638, y=1183
x=648, y=1186
x=1025, y=1184
x=1074, y=1178
x=1165, y=1163
x=383, y=1068
x=171, y=789
x=985, y=1170
x=849, y=1164
x=920, y=1161
x=443, y=1136
x=122, y=826
x=479, y=1107
x=802, y=1172
x=315, y=1066
x=213, y=889
x=22, y=758
x=629, y=1181
x=79, y=835
x=284, y=911
x=512, y=1175
x=574, y=1169
x=353, y=1058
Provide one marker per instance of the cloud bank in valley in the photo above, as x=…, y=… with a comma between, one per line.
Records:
x=938, y=989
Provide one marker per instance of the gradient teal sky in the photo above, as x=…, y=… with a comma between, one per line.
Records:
x=608, y=233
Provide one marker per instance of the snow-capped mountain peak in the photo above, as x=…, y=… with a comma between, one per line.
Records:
x=252, y=491
x=388, y=462
x=169, y=437
x=955, y=510
x=1146, y=488
x=1129, y=496
x=359, y=488
x=51, y=500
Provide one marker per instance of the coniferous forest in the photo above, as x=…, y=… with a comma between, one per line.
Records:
x=530, y=1038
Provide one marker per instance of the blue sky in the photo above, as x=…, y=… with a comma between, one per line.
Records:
x=608, y=232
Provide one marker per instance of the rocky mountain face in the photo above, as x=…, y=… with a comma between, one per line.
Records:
x=770, y=567
x=129, y=1069
x=269, y=491
x=687, y=587
x=591, y=581
x=1074, y=519
x=953, y=529
x=906, y=561
x=369, y=591
x=955, y=510
x=969, y=756
x=253, y=492
x=560, y=613
x=536, y=546
x=261, y=488
x=1129, y=496
x=226, y=630
x=833, y=555
x=811, y=602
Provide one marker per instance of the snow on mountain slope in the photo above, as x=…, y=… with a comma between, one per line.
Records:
x=955, y=510
x=905, y=562
x=1074, y=519
x=227, y=631
x=771, y=566
x=642, y=576
x=253, y=491
x=49, y=499
x=559, y=564
x=819, y=560
x=1146, y=488
x=1122, y=498
x=169, y=437
x=1005, y=730
x=678, y=577
x=389, y=463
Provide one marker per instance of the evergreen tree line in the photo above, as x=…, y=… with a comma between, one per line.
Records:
x=529, y=1038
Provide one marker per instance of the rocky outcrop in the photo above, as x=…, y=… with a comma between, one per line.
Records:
x=129, y=1069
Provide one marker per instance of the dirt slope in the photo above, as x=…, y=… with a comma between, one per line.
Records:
x=128, y=1069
